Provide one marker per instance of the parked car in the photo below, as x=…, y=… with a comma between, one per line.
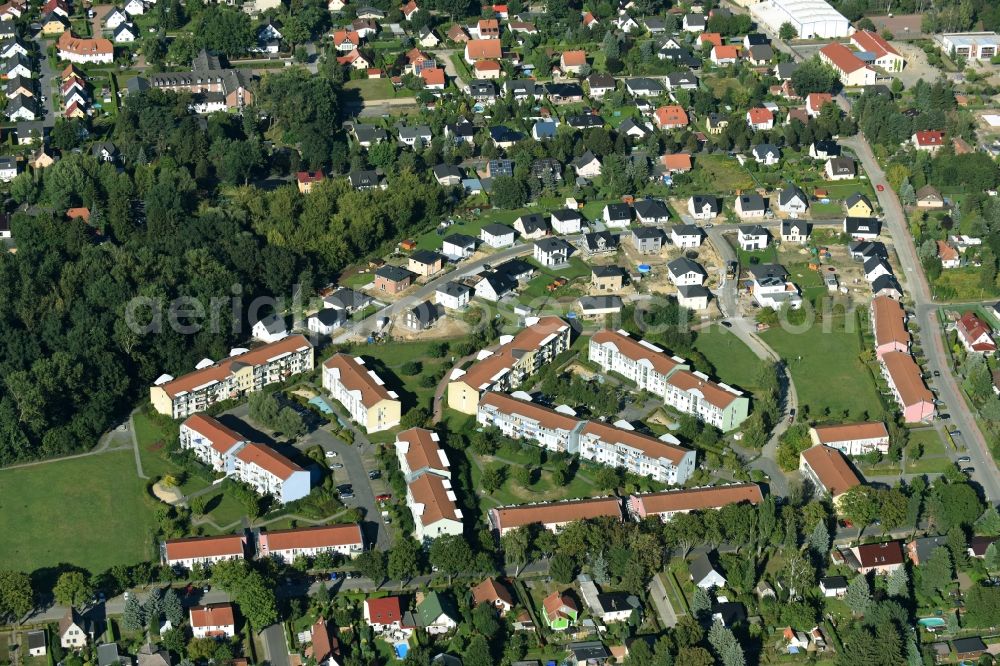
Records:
x=331, y=454
x=880, y=187
x=336, y=466
x=964, y=459
x=385, y=497
x=374, y=474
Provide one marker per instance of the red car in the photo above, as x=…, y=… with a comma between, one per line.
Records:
x=383, y=498
x=880, y=188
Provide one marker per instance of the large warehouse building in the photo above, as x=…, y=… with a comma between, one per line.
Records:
x=810, y=18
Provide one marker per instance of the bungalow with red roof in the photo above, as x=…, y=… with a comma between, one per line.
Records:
x=713, y=38
x=572, y=62
x=356, y=60
x=671, y=117
x=482, y=49
x=346, y=40
x=975, y=334
x=306, y=179
x=726, y=54
x=433, y=78
x=383, y=614
x=759, y=118
x=212, y=621
x=948, y=255
x=677, y=162
x=928, y=140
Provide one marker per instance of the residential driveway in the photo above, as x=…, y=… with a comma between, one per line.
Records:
x=663, y=606
x=375, y=531
x=276, y=649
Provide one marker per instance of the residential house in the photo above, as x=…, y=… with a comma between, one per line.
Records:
x=436, y=613
x=74, y=631
x=815, y=103
x=750, y=205
x=482, y=49
x=126, y=33
x=559, y=611
x=8, y=169
x=447, y=175
x=887, y=285
x=270, y=329
x=552, y=252
x=419, y=452
x=724, y=54
x=607, y=278
x=752, y=237
x=858, y=205
x=306, y=179
x=703, y=574
x=948, y=255
x=326, y=321
x=880, y=558
x=684, y=271
x=683, y=80
x=531, y=226
x=453, y=296
x=671, y=117
x=600, y=242
x=494, y=593
x=648, y=240
x=975, y=334
x=393, y=279
x=600, y=306
x=494, y=286
x=840, y=168
x=458, y=246
x=795, y=231
x=686, y=236
x=760, y=55
x=822, y=150
x=421, y=316
x=829, y=472
x=347, y=300
x=368, y=135
x=414, y=136
x=693, y=296
x=511, y=363
x=37, y=643
x=84, y=50
x=770, y=287
x=644, y=87
x=929, y=197
x=889, y=326
x=716, y=123
x=362, y=393
x=608, y=607
x=969, y=650
x=384, y=614
x=862, y=228
x=760, y=118
x=920, y=549
x=241, y=373
x=497, y=235
x=212, y=621
x=587, y=165
x=184, y=554
x=651, y=211
x=852, y=439
x=425, y=263
x=617, y=215
x=833, y=586
x=766, y=154
x=544, y=129
x=572, y=62
x=703, y=206
x=929, y=141
x=600, y=84
x=676, y=163
x=566, y=221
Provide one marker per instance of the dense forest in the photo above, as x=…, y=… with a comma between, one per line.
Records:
x=178, y=220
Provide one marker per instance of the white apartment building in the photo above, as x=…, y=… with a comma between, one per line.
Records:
x=241, y=373
x=287, y=545
x=362, y=393
x=657, y=459
x=670, y=378
x=853, y=439
x=519, y=419
x=211, y=442
x=433, y=505
x=419, y=452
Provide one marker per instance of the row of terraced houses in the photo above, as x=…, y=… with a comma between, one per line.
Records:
x=283, y=545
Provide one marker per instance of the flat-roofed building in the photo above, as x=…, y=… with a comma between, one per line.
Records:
x=669, y=503
x=361, y=392
x=287, y=545
x=240, y=374
x=504, y=368
x=553, y=516
x=853, y=439
x=971, y=45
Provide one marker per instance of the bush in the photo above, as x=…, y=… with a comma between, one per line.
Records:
x=411, y=368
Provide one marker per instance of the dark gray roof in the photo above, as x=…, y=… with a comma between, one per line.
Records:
x=693, y=291
x=768, y=271
x=651, y=208
x=593, y=240
x=550, y=245
x=607, y=271
x=830, y=148
x=752, y=230
x=520, y=87
x=273, y=323
x=789, y=193
x=498, y=230
x=368, y=133
x=874, y=262
x=460, y=240
x=516, y=268
x=862, y=225
x=453, y=288
x=701, y=200
x=500, y=282
x=619, y=211
x=331, y=316
x=682, y=78
x=751, y=201
x=761, y=52
x=447, y=171
x=764, y=149
x=348, y=299
x=533, y=222
x=925, y=546
x=584, y=160
x=585, y=121
x=630, y=124
x=887, y=281
x=364, y=178
x=36, y=639
x=856, y=197
x=683, y=265
x=645, y=84
x=784, y=70
x=504, y=134
x=588, y=650
x=700, y=568
x=393, y=273
x=600, y=302
x=601, y=81
x=482, y=88
x=868, y=249
x=686, y=230
x=834, y=582
x=967, y=645
x=563, y=90
x=566, y=214
x=842, y=165
x=788, y=225
x=425, y=313
x=426, y=257
x=648, y=233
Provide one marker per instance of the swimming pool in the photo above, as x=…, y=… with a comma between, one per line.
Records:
x=931, y=622
x=401, y=650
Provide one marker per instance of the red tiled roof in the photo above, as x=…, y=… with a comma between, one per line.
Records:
x=842, y=57
x=698, y=499
x=816, y=101
x=432, y=77
x=223, y=438
x=929, y=137
x=548, y=418
x=671, y=116
x=342, y=36
x=758, y=115
x=832, y=469
x=84, y=46
x=355, y=377
x=225, y=367
x=574, y=58
x=946, y=252
x=635, y=350
x=484, y=49
x=506, y=356
x=432, y=492
x=880, y=554
x=677, y=162
x=385, y=610
x=309, y=176
x=725, y=52
x=870, y=41
x=712, y=392
x=557, y=512
x=905, y=375
x=212, y=615
x=490, y=591
x=972, y=328
x=422, y=451
x=268, y=459
x=198, y=547
x=889, y=322
x=713, y=38
x=650, y=446
x=324, y=536
x=844, y=432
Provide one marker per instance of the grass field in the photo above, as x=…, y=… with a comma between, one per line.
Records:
x=734, y=362
x=373, y=89
x=934, y=458
x=961, y=284
x=91, y=512
x=826, y=368
x=721, y=173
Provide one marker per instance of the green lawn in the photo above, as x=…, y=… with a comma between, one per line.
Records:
x=543, y=490
x=961, y=284
x=394, y=355
x=91, y=512
x=155, y=440
x=934, y=458
x=826, y=368
x=823, y=211
x=721, y=173
x=733, y=361
x=373, y=89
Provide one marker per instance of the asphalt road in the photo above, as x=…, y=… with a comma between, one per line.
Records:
x=986, y=474
x=426, y=291
x=46, y=84
x=275, y=647
x=668, y=618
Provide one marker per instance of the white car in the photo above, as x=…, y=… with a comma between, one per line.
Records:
x=331, y=454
